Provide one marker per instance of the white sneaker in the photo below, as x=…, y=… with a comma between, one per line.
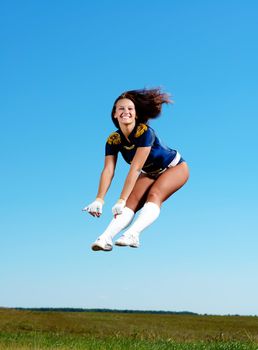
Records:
x=128, y=240
x=102, y=244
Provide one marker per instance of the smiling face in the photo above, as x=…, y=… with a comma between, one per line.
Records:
x=125, y=112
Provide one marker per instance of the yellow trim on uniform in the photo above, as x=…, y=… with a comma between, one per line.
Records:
x=129, y=147
x=140, y=130
x=114, y=139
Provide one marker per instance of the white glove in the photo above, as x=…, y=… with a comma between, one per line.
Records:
x=95, y=208
x=118, y=207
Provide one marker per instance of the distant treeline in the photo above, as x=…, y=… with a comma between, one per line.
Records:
x=68, y=309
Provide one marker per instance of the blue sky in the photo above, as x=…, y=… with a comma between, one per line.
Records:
x=62, y=65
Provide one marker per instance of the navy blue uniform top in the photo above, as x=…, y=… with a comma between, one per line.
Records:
x=142, y=136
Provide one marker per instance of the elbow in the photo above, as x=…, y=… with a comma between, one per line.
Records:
x=136, y=170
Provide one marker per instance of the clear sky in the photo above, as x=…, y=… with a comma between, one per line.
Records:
x=62, y=64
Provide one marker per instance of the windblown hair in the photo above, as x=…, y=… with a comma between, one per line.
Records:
x=148, y=103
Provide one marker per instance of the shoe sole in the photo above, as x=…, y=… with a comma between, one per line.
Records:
x=126, y=245
x=96, y=248
x=121, y=244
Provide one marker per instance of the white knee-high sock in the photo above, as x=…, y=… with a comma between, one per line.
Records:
x=148, y=215
x=118, y=223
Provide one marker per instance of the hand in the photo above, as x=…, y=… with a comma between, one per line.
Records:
x=118, y=207
x=95, y=208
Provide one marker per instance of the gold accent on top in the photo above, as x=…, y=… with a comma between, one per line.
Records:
x=129, y=147
x=140, y=130
x=114, y=139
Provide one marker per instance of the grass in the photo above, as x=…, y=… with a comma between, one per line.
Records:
x=22, y=329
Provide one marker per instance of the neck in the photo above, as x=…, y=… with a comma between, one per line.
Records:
x=127, y=129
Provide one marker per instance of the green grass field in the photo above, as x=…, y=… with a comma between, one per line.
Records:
x=21, y=329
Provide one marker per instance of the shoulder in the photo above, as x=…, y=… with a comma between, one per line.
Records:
x=144, y=135
x=141, y=129
x=114, y=138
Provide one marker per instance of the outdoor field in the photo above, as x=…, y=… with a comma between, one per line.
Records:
x=23, y=329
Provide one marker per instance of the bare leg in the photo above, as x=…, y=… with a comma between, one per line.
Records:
x=134, y=203
x=166, y=184
x=139, y=193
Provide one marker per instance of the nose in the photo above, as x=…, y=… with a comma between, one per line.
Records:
x=126, y=110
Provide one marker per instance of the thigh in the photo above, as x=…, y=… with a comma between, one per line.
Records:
x=139, y=193
x=168, y=183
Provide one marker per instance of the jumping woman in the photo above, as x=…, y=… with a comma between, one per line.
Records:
x=156, y=171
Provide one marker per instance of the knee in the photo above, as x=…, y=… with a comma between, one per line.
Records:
x=154, y=196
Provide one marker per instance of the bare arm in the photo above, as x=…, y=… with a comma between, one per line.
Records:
x=106, y=177
x=137, y=164
x=107, y=174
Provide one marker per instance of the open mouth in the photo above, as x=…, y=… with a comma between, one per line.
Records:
x=125, y=117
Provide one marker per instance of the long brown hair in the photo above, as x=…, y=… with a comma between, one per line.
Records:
x=148, y=103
